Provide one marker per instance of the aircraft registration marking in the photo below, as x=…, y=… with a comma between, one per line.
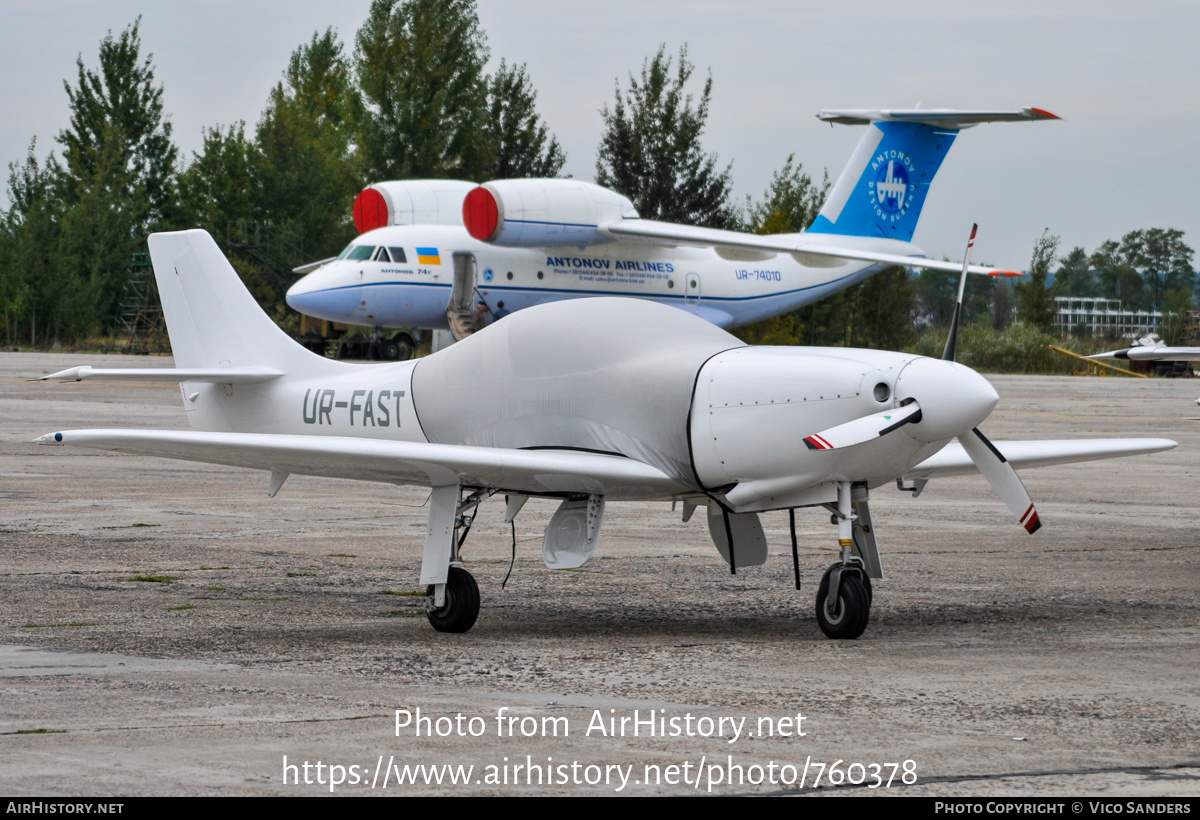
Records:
x=365, y=408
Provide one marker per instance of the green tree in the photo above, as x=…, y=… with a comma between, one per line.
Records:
x=118, y=181
x=1035, y=303
x=30, y=232
x=650, y=150
x=1177, y=316
x=120, y=103
x=218, y=187
x=419, y=67
x=1163, y=260
x=1075, y=276
x=519, y=140
x=790, y=203
x=1118, y=279
x=305, y=171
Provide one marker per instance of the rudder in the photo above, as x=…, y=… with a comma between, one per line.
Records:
x=882, y=189
x=212, y=320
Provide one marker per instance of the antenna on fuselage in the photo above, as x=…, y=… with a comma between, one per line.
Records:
x=952, y=338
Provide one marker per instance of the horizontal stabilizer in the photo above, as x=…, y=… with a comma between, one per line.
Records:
x=647, y=230
x=939, y=117
x=953, y=459
x=535, y=472
x=236, y=375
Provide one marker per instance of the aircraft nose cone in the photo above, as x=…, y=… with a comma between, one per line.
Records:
x=953, y=398
x=325, y=295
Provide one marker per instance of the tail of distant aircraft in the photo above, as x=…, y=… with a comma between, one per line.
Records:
x=882, y=189
x=212, y=320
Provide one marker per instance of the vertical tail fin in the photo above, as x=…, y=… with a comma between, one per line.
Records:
x=883, y=187
x=212, y=320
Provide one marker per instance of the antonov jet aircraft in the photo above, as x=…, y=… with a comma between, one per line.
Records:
x=530, y=241
x=587, y=402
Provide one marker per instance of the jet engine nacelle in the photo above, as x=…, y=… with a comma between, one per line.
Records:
x=523, y=213
x=410, y=202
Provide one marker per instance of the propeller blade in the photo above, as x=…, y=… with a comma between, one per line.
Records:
x=865, y=428
x=952, y=336
x=1002, y=477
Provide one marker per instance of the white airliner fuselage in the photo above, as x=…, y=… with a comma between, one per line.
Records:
x=368, y=286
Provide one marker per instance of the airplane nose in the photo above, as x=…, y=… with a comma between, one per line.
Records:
x=953, y=398
x=325, y=295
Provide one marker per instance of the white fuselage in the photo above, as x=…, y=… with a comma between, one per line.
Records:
x=471, y=274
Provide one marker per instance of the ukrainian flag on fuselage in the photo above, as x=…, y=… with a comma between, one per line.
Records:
x=428, y=256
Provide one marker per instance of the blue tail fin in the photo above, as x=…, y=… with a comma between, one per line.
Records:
x=883, y=187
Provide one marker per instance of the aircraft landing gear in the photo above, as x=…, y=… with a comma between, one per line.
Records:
x=844, y=596
x=460, y=605
x=846, y=617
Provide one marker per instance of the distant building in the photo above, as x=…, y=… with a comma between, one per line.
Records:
x=1103, y=317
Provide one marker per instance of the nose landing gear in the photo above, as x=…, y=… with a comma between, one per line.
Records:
x=844, y=595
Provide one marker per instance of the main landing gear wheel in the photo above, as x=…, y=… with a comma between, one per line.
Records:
x=847, y=617
x=461, y=607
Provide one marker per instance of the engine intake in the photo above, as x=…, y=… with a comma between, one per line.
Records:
x=410, y=202
x=542, y=212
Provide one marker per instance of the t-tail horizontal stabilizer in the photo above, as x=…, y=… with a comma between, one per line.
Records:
x=882, y=189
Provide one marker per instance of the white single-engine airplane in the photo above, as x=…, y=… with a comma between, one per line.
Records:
x=531, y=241
x=588, y=402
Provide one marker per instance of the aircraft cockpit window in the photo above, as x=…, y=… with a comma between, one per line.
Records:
x=345, y=252
x=398, y=256
x=361, y=252
x=382, y=255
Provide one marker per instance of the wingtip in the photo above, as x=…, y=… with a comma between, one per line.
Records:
x=49, y=438
x=1043, y=114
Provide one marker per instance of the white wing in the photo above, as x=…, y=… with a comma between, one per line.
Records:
x=807, y=248
x=531, y=472
x=953, y=460
x=231, y=375
x=1152, y=354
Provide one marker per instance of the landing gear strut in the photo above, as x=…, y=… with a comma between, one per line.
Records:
x=844, y=596
x=452, y=596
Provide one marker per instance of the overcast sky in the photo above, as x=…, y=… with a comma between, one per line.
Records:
x=1121, y=75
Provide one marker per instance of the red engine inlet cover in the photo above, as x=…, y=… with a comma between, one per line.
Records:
x=480, y=214
x=370, y=211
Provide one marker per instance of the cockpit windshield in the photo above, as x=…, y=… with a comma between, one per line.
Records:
x=358, y=252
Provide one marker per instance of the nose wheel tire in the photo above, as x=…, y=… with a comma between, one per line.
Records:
x=846, y=618
x=461, y=607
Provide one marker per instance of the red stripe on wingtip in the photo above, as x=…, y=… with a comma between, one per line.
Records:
x=1004, y=273
x=815, y=442
x=1033, y=524
x=1044, y=113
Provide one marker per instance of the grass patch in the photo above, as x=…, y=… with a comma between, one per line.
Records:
x=40, y=732
x=155, y=579
x=212, y=568
x=342, y=555
x=304, y=574
x=213, y=589
x=180, y=608
x=59, y=626
x=412, y=593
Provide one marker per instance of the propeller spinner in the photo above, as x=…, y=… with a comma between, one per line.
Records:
x=942, y=400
